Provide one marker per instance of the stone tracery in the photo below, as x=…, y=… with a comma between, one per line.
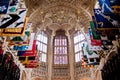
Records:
x=59, y=11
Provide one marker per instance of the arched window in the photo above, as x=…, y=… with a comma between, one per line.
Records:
x=79, y=40
x=60, y=50
x=42, y=45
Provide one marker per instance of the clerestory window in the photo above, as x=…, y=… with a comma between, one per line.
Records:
x=79, y=40
x=60, y=50
x=42, y=41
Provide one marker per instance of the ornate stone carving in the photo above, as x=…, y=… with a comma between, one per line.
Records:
x=59, y=11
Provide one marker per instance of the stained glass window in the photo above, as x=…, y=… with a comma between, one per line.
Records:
x=60, y=50
x=42, y=45
x=79, y=40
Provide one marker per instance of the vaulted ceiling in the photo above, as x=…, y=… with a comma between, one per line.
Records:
x=60, y=14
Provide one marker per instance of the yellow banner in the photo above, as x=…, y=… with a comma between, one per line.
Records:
x=14, y=31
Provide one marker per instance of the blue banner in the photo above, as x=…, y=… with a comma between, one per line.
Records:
x=105, y=6
x=20, y=48
x=94, y=21
x=110, y=6
x=114, y=2
x=4, y=7
x=115, y=5
x=4, y=1
x=106, y=20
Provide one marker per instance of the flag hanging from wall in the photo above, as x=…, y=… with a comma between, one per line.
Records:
x=27, y=52
x=29, y=61
x=110, y=6
x=95, y=45
x=4, y=4
x=93, y=42
x=32, y=63
x=94, y=31
x=89, y=54
x=21, y=40
x=105, y=6
x=31, y=49
x=106, y=21
x=25, y=47
x=109, y=34
x=13, y=24
x=13, y=6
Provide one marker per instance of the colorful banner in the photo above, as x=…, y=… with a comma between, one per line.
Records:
x=31, y=47
x=105, y=6
x=95, y=32
x=31, y=52
x=25, y=59
x=13, y=5
x=29, y=61
x=4, y=7
x=106, y=21
x=21, y=40
x=10, y=6
x=110, y=6
x=13, y=20
x=32, y=63
x=13, y=24
x=95, y=46
x=93, y=42
x=20, y=48
x=115, y=4
x=88, y=55
x=13, y=31
x=109, y=34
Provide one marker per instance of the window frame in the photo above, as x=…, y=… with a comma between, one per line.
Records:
x=61, y=46
x=79, y=52
x=42, y=43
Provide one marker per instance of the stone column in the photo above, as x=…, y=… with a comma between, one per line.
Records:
x=50, y=57
x=71, y=55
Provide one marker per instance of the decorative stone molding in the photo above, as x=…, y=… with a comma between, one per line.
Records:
x=77, y=9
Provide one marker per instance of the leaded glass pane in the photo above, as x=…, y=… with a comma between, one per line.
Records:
x=79, y=41
x=60, y=50
x=42, y=45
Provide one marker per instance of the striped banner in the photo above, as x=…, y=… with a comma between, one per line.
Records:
x=21, y=40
